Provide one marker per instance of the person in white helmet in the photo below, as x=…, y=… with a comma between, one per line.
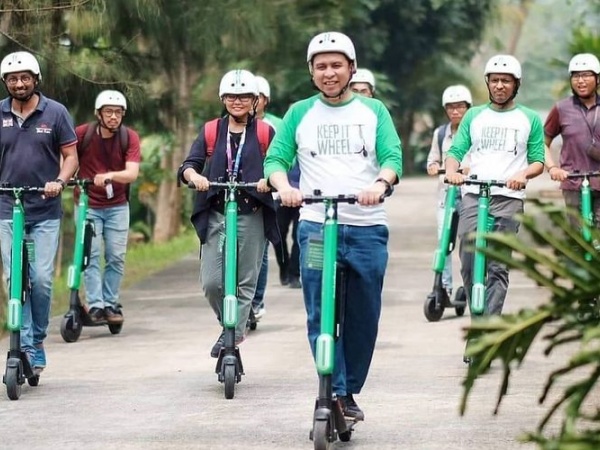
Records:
x=363, y=82
x=505, y=142
x=576, y=119
x=37, y=133
x=237, y=153
x=109, y=153
x=344, y=144
x=456, y=100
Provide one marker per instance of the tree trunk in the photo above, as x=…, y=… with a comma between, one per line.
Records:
x=169, y=201
x=523, y=13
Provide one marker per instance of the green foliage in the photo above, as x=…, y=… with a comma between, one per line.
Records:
x=557, y=262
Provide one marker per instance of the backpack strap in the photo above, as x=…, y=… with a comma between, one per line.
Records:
x=87, y=137
x=441, y=135
x=124, y=138
x=211, y=129
x=263, y=131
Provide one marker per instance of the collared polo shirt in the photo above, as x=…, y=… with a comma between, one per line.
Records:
x=568, y=118
x=30, y=155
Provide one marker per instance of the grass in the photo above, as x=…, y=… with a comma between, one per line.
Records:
x=142, y=261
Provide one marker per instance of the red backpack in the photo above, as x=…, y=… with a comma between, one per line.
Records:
x=211, y=129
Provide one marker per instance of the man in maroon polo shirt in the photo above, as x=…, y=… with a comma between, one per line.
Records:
x=104, y=159
x=576, y=119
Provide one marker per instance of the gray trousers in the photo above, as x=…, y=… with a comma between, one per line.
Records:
x=504, y=210
x=251, y=246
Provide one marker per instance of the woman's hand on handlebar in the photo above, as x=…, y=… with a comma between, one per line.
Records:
x=291, y=197
x=201, y=183
x=433, y=169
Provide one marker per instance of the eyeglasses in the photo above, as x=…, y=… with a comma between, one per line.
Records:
x=25, y=79
x=456, y=107
x=111, y=112
x=582, y=75
x=244, y=98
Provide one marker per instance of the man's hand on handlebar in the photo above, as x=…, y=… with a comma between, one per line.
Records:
x=262, y=186
x=200, y=182
x=372, y=195
x=291, y=197
x=517, y=182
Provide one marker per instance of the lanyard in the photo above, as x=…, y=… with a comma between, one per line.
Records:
x=233, y=167
x=593, y=125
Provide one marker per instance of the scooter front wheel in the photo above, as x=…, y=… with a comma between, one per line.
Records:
x=433, y=310
x=70, y=329
x=11, y=379
x=320, y=434
x=115, y=328
x=229, y=380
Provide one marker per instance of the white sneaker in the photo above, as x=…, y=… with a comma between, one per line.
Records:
x=260, y=313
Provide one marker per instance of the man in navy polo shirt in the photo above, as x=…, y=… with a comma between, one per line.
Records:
x=36, y=132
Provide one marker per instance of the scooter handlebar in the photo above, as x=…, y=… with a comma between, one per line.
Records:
x=80, y=182
x=590, y=174
x=225, y=184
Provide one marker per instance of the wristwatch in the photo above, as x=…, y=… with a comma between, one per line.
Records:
x=388, y=186
x=61, y=182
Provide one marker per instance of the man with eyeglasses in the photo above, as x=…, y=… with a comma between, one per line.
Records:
x=109, y=154
x=576, y=119
x=36, y=134
x=505, y=142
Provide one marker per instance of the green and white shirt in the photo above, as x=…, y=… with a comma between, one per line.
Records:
x=499, y=143
x=340, y=149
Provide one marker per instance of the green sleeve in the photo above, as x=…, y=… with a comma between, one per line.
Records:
x=282, y=151
x=461, y=142
x=388, y=146
x=535, y=143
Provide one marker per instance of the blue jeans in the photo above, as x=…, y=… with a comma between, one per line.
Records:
x=363, y=252
x=261, y=285
x=112, y=229
x=36, y=310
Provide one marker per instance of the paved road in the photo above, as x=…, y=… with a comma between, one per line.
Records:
x=154, y=387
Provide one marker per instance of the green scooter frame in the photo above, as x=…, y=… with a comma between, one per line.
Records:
x=329, y=422
x=77, y=316
x=485, y=224
x=438, y=299
x=18, y=368
x=229, y=368
x=587, y=214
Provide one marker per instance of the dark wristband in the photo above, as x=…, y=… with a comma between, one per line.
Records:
x=388, y=186
x=61, y=182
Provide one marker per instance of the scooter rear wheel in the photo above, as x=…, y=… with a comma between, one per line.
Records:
x=229, y=381
x=320, y=434
x=67, y=331
x=460, y=298
x=433, y=314
x=11, y=379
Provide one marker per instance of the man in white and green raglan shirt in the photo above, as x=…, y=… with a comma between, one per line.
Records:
x=345, y=144
x=505, y=142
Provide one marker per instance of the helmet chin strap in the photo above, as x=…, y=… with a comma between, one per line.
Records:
x=26, y=98
x=103, y=125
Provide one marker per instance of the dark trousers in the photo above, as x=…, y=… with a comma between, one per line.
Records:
x=289, y=262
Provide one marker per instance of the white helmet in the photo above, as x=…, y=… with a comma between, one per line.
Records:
x=455, y=94
x=263, y=86
x=20, y=62
x=503, y=64
x=238, y=82
x=583, y=62
x=331, y=42
x=112, y=98
x=364, y=76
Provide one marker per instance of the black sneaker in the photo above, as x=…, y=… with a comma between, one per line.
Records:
x=216, y=349
x=96, y=315
x=294, y=283
x=350, y=408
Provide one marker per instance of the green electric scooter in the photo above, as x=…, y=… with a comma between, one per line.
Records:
x=229, y=366
x=18, y=368
x=485, y=224
x=438, y=299
x=77, y=316
x=329, y=422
